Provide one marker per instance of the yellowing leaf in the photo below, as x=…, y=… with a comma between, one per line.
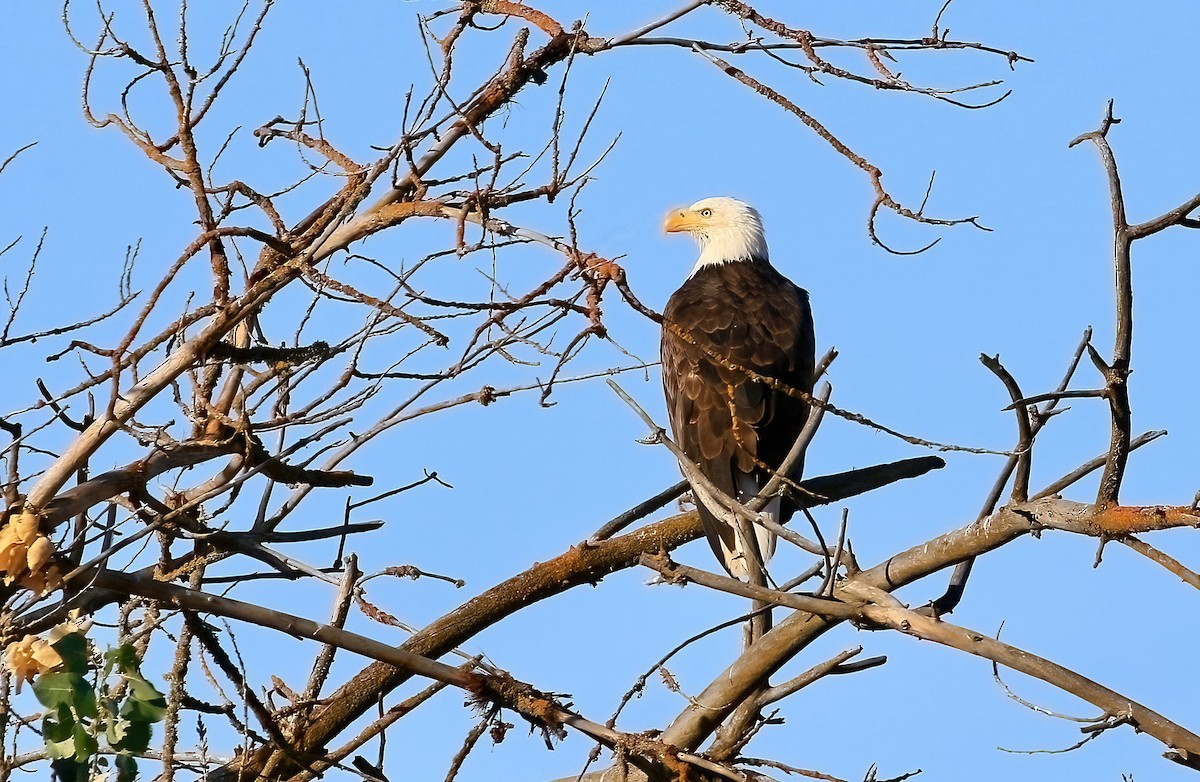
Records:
x=25, y=525
x=8, y=538
x=43, y=582
x=13, y=553
x=40, y=552
x=30, y=657
x=45, y=656
x=76, y=622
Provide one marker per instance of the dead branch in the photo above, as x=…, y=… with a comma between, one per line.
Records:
x=799, y=629
x=578, y=566
x=874, y=174
x=1183, y=746
x=1116, y=371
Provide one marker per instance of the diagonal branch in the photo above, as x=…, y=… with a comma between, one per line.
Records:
x=733, y=685
x=1183, y=745
x=882, y=198
x=578, y=566
x=540, y=709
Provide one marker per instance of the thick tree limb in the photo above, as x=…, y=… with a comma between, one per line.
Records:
x=132, y=476
x=580, y=565
x=1183, y=745
x=794, y=633
x=540, y=709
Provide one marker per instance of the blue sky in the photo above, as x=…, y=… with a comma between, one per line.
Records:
x=531, y=481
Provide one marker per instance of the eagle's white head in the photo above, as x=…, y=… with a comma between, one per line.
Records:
x=726, y=229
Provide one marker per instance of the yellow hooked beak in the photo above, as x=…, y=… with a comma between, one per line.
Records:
x=680, y=220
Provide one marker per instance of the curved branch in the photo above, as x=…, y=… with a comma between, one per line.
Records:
x=733, y=685
x=1183, y=745
x=1116, y=373
x=578, y=566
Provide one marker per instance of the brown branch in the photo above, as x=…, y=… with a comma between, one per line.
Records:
x=578, y=566
x=497, y=93
x=1176, y=216
x=1185, y=574
x=805, y=42
x=275, y=270
x=397, y=712
x=132, y=476
x=1183, y=745
x=638, y=35
x=14, y=155
x=962, y=571
x=1024, y=449
x=866, y=44
x=324, y=659
x=732, y=686
x=207, y=638
x=522, y=11
x=541, y=709
x=1094, y=464
x=1116, y=372
x=832, y=666
x=682, y=574
x=1083, y=393
x=639, y=684
x=278, y=470
x=265, y=354
x=637, y=512
x=882, y=197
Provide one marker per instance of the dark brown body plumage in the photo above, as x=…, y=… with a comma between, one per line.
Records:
x=726, y=319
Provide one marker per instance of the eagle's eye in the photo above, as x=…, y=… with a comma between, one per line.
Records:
x=706, y=213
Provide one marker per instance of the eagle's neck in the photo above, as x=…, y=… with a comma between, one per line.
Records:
x=732, y=244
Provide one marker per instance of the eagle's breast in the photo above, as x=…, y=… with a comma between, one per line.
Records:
x=728, y=324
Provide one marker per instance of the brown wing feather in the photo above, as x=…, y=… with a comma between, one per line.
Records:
x=727, y=319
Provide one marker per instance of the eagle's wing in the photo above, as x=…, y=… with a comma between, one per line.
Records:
x=726, y=325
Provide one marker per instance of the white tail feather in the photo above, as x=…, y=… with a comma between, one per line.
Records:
x=740, y=561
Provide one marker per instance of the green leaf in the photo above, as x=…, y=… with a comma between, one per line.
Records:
x=73, y=648
x=58, y=689
x=114, y=729
x=57, y=750
x=124, y=658
x=60, y=726
x=85, y=744
x=136, y=738
x=85, y=699
x=144, y=703
x=54, y=690
x=67, y=770
x=127, y=770
x=141, y=688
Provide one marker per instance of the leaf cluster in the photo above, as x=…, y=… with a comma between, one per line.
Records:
x=89, y=701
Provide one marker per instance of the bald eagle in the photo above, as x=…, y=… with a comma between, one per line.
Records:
x=735, y=318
